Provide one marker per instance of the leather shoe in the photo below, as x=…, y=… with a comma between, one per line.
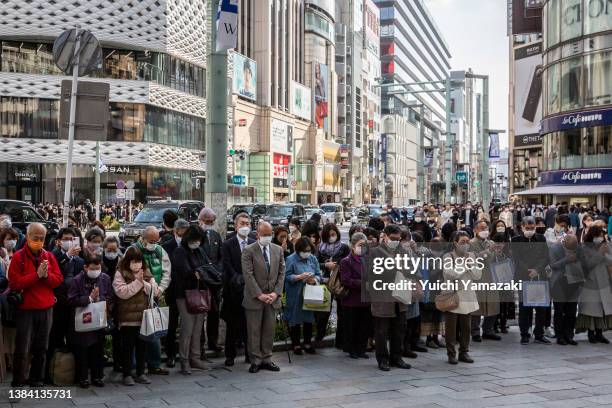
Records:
x=571, y=342
x=491, y=337
x=363, y=355
x=452, y=360
x=383, y=366
x=36, y=384
x=561, y=342
x=477, y=338
x=229, y=362
x=353, y=356
x=409, y=354
x=254, y=368
x=465, y=358
x=270, y=366
x=400, y=364
x=420, y=349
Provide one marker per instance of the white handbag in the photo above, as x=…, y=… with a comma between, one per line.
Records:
x=402, y=296
x=154, y=323
x=90, y=318
x=314, y=294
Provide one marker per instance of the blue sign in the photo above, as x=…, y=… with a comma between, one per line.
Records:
x=577, y=120
x=576, y=177
x=461, y=177
x=239, y=180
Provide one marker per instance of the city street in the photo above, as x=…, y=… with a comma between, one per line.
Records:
x=504, y=374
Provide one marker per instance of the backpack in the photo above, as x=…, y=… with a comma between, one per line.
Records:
x=335, y=286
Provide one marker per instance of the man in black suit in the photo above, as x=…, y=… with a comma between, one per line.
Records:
x=233, y=287
x=211, y=244
x=169, y=245
x=468, y=215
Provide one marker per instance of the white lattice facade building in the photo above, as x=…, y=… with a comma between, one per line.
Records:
x=154, y=60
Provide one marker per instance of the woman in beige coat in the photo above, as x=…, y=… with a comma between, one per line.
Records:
x=457, y=321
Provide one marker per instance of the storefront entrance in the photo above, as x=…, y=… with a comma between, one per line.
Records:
x=20, y=182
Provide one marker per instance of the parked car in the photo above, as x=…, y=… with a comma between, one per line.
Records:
x=280, y=214
x=365, y=212
x=310, y=211
x=335, y=212
x=152, y=214
x=23, y=214
x=254, y=210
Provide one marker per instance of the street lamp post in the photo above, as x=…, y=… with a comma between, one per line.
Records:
x=292, y=168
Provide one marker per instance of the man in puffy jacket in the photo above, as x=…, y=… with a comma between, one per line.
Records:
x=34, y=273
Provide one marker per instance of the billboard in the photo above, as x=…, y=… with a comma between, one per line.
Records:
x=525, y=16
x=281, y=136
x=321, y=98
x=245, y=77
x=301, y=101
x=494, y=146
x=527, y=89
x=428, y=156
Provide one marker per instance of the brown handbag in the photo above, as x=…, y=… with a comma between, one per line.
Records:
x=198, y=300
x=447, y=301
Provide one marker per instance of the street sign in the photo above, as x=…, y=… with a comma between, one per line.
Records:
x=92, y=115
x=130, y=184
x=120, y=194
x=293, y=183
x=129, y=194
x=120, y=184
x=461, y=176
x=90, y=52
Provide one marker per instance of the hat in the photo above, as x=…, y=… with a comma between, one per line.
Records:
x=181, y=224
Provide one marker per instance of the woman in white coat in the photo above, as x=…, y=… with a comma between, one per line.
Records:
x=457, y=321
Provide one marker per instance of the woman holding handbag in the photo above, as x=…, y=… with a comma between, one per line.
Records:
x=301, y=269
x=457, y=320
x=187, y=262
x=134, y=286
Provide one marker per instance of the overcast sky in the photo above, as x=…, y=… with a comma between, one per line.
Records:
x=475, y=31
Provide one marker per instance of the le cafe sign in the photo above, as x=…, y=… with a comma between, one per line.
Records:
x=579, y=176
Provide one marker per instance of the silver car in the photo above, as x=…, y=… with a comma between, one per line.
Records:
x=335, y=212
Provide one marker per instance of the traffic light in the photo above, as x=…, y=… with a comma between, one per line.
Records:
x=240, y=153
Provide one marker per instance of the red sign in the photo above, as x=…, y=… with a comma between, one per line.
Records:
x=280, y=165
x=242, y=122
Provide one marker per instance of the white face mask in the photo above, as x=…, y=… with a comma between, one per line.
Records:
x=244, y=231
x=500, y=229
x=207, y=227
x=358, y=250
x=265, y=241
x=10, y=244
x=5, y=224
x=463, y=248
x=150, y=247
x=292, y=228
x=112, y=255
x=418, y=219
x=66, y=245
x=529, y=234
x=393, y=244
x=94, y=273
x=178, y=240
x=304, y=255
x=598, y=240
x=194, y=245
x=483, y=234
x=333, y=239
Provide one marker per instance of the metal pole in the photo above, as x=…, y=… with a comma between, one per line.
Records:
x=291, y=172
x=216, y=125
x=97, y=181
x=421, y=160
x=449, y=144
x=71, y=126
x=484, y=154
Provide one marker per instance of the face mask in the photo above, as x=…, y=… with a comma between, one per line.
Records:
x=393, y=244
x=66, y=245
x=111, y=255
x=5, y=224
x=135, y=266
x=10, y=244
x=36, y=245
x=463, y=248
x=292, y=228
x=598, y=240
x=244, y=231
x=332, y=239
x=500, y=229
x=418, y=219
x=529, y=234
x=304, y=255
x=178, y=240
x=406, y=245
x=265, y=241
x=94, y=246
x=358, y=250
x=207, y=227
x=93, y=273
x=150, y=247
x=469, y=207
x=194, y=245
x=483, y=234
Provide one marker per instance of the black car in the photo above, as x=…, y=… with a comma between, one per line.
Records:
x=255, y=211
x=23, y=214
x=365, y=212
x=280, y=214
x=152, y=215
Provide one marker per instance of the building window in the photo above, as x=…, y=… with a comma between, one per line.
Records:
x=571, y=19
x=598, y=146
x=598, y=72
x=552, y=22
x=29, y=117
x=28, y=58
x=571, y=84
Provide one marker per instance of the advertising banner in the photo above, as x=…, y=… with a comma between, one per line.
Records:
x=227, y=25
x=344, y=156
x=428, y=153
x=321, y=99
x=493, y=146
x=527, y=89
x=301, y=100
x=245, y=77
x=527, y=140
x=280, y=136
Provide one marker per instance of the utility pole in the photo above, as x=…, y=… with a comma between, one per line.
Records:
x=484, y=156
x=97, y=181
x=71, y=126
x=216, y=124
x=449, y=144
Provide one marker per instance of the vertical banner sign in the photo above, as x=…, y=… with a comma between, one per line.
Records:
x=428, y=153
x=383, y=152
x=344, y=156
x=493, y=146
x=227, y=25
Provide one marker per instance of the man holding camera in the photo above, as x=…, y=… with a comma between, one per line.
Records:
x=33, y=274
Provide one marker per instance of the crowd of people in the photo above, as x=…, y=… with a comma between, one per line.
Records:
x=84, y=215
x=257, y=272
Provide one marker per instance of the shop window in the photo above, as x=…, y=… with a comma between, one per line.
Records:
x=571, y=149
x=598, y=72
x=553, y=85
x=598, y=146
x=571, y=84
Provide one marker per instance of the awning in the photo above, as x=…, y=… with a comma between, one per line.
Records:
x=568, y=190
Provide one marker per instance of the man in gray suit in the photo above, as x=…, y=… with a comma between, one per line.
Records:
x=263, y=267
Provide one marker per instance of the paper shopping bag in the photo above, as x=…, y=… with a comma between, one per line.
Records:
x=314, y=294
x=90, y=318
x=536, y=294
x=401, y=295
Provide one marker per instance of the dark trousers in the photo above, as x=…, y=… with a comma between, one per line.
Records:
x=130, y=344
x=413, y=332
x=235, y=331
x=565, y=319
x=526, y=320
x=89, y=357
x=391, y=330
x=321, y=321
x=357, y=329
x=212, y=322
x=116, y=342
x=32, y=337
x=506, y=312
x=340, y=328
x=295, y=332
x=62, y=320
x=173, y=318
x=488, y=323
x=457, y=327
x=548, y=319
